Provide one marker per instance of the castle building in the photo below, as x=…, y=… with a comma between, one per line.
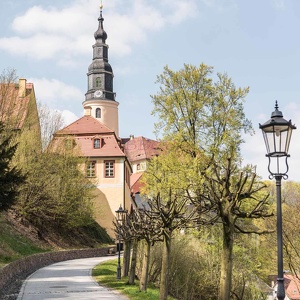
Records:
x=96, y=137
x=18, y=111
x=114, y=165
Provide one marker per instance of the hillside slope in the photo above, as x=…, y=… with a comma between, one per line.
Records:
x=19, y=238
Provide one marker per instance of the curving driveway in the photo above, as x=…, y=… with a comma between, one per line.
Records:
x=67, y=280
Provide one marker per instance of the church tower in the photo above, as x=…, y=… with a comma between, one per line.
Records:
x=100, y=98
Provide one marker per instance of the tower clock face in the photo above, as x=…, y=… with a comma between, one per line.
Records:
x=98, y=93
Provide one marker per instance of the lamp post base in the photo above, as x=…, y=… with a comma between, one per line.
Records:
x=280, y=289
x=119, y=272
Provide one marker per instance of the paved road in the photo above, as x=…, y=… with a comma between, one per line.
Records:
x=67, y=280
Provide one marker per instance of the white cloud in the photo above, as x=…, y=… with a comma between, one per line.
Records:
x=69, y=117
x=53, y=91
x=62, y=34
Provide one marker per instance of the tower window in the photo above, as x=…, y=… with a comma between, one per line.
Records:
x=98, y=112
x=91, y=169
x=98, y=82
x=109, y=168
x=97, y=143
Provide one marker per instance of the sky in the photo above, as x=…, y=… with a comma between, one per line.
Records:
x=49, y=42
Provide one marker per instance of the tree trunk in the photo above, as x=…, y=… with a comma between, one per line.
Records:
x=164, y=275
x=226, y=263
x=145, y=267
x=133, y=262
x=126, y=258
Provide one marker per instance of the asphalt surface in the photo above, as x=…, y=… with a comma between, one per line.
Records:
x=67, y=280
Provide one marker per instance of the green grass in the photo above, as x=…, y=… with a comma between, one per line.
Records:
x=105, y=274
x=13, y=245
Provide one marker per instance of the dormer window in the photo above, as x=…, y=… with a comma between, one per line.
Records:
x=98, y=112
x=97, y=143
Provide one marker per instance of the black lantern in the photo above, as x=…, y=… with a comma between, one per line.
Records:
x=120, y=215
x=277, y=134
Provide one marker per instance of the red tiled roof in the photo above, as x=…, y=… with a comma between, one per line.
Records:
x=141, y=148
x=84, y=125
x=84, y=131
x=110, y=146
x=135, y=182
x=292, y=286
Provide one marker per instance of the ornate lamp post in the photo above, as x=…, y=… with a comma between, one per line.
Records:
x=277, y=134
x=120, y=213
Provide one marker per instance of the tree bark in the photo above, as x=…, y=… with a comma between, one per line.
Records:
x=126, y=258
x=164, y=276
x=145, y=267
x=226, y=263
x=133, y=262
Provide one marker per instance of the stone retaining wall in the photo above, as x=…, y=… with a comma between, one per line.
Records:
x=13, y=273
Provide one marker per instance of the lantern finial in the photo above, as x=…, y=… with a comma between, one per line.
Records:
x=276, y=112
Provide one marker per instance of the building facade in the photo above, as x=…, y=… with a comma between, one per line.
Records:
x=18, y=111
x=95, y=137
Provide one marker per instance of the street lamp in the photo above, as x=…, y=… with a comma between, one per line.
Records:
x=120, y=218
x=277, y=134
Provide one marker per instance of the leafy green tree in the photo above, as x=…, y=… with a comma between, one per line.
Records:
x=10, y=176
x=166, y=187
x=203, y=115
x=236, y=198
x=291, y=228
x=56, y=192
x=200, y=114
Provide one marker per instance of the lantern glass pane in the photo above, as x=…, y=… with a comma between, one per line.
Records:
x=288, y=139
x=268, y=140
x=277, y=138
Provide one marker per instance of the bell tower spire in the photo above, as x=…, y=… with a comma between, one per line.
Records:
x=100, y=96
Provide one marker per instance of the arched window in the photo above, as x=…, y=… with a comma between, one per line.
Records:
x=98, y=112
x=98, y=82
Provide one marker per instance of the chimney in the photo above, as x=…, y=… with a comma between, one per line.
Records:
x=22, y=87
x=87, y=110
x=131, y=137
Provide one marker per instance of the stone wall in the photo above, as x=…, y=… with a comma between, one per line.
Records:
x=12, y=275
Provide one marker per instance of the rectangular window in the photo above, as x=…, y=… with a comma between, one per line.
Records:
x=91, y=169
x=109, y=168
x=96, y=143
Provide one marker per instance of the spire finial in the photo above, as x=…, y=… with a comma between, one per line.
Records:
x=276, y=105
x=100, y=33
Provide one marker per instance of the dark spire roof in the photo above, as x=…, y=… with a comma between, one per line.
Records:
x=100, y=34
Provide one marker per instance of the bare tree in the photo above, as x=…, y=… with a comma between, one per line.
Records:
x=51, y=121
x=236, y=198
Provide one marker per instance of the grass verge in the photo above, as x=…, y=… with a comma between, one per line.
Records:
x=13, y=245
x=105, y=274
